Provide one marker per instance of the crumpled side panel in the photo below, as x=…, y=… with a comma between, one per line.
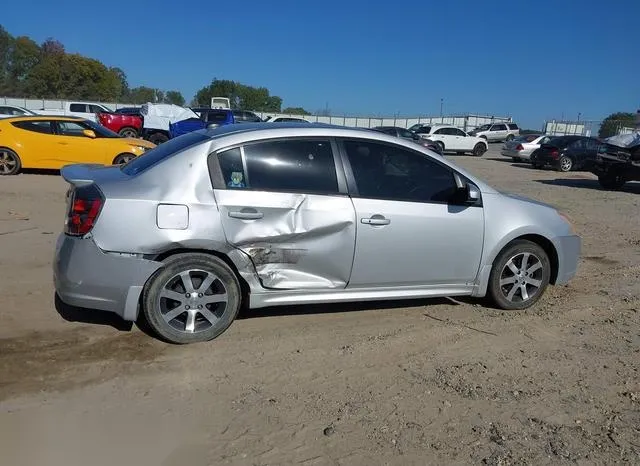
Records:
x=301, y=242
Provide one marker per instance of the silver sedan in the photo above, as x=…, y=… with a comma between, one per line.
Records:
x=296, y=213
x=521, y=147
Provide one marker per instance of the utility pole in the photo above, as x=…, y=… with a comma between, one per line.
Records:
x=579, y=113
x=441, y=105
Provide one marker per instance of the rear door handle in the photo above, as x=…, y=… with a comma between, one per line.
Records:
x=375, y=220
x=246, y=214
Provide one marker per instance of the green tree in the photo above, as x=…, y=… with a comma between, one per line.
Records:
x=6, y=46
x=174, y=97
x=142, y=95
x=615, y=122
x=24, y=55
x=240, y=95
x=295, y=111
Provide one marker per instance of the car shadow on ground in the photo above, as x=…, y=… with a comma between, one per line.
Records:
x=306, y=309
x=629, y=187
x=34, y=171
x=90, y=316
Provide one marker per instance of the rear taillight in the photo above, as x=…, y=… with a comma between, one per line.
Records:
x=554, y=153
x=84, y=204
x=519, y=147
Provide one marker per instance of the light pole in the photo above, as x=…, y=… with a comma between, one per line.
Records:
x=441, y=105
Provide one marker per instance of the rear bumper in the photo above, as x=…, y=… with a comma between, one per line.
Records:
x=515, y=153
x=568, y=248
x=87, y=277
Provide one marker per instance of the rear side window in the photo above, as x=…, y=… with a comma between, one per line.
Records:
x=43, y=127
x=300, y=165
x=82, y=108
x=162, y=152
x=513, y=126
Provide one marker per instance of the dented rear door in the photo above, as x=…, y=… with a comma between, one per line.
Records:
x=284, y=206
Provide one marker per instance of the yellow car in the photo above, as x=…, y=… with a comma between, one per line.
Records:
x=50, y=142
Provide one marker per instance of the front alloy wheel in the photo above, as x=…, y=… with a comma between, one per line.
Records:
x=520, y=275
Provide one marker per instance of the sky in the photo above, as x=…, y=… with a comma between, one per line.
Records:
x=533, y=61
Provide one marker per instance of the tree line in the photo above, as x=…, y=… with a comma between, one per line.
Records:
x=47, y=71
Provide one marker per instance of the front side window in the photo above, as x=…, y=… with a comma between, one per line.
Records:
x=297, y=165
x=457, y=132
x=71, y=128
x=43, y=127
x=385, y=171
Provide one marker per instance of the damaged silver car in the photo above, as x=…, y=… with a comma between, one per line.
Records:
x=295, y=214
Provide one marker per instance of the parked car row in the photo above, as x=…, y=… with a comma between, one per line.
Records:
x=613, y=164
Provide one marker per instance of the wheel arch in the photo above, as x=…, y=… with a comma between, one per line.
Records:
x=244, y=286
x=545, y=243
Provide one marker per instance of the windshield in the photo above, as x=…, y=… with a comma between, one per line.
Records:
x=101, y=131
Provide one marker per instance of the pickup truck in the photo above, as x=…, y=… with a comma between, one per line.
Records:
x=126, y=125
x=614, y=165
x=85, y=110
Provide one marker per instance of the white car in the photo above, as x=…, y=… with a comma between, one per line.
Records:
x=497, y=132
x=7, y=111
x=522, y=147
x=280, y=119
x=451, y=139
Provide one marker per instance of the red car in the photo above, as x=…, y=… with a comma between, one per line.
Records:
x=128, y=126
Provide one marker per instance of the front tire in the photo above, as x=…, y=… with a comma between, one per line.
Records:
x=194, y=298
x=10, y=163
x=611, y=181
x=479, y=149
x=519, y=276
x=122, y=159
x=440, y=144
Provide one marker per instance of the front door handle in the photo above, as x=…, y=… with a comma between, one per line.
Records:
x=376, y=220
x=246, y=214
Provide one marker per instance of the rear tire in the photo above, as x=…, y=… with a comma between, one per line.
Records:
x=128, y=133
x=514, y=285
x=158, y=138
x=122, y=158
x=194, y=298
x=10, y=163
x=479, y=149
x=611, y=181
x=565, y=164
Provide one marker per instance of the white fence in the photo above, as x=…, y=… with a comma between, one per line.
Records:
x=464, y=122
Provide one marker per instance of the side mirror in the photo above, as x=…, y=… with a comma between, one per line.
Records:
x=466, y=193
x=89, y=133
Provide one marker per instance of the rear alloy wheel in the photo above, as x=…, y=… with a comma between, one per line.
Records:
x=122, y=159
x=193, y=298
x=565, y=164
x=479, y=149
x=10, y=163
x=611, y=181
x=519, y=276
x=128, y=133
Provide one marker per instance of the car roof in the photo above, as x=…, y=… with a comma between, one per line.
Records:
x=45, y=117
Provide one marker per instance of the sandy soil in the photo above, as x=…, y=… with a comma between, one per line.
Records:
x=427, y=382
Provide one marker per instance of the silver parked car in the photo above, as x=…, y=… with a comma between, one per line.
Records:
x=296, y=213
x=521, y=147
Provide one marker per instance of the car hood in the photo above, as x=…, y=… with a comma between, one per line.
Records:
x=139, y=142
x=518, y=197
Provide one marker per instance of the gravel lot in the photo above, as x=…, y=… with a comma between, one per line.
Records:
x=433, y=381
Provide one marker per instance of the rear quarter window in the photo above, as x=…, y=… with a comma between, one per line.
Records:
x=43, y=127
x=513, y=126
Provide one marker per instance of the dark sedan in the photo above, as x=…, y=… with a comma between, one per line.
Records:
x=406, y=134
x=567, y=153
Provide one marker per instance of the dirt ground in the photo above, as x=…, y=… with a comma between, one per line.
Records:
x=422, y=382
